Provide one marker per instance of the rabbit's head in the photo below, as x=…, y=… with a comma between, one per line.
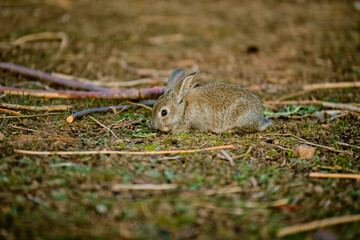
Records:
x=168, y=110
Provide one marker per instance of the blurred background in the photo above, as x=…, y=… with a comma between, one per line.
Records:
x=268, y=46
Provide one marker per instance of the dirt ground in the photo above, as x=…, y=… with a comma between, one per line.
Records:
x=272, y=47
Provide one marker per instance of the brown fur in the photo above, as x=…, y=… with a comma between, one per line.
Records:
x=216, y=107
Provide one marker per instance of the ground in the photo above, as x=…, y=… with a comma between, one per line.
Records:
x=272, y=47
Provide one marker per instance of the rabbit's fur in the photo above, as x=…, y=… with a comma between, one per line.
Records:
x=215, y=107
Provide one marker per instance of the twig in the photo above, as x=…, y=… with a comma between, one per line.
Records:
x=334, y=175
x=143, y=72
x=128, y=124
x=105, y=127
x=156, y=187
x=29, y=116
x=140, y=105
x=348, y=145
x=244, y=154
x=134, y=94
x=120, y=152
x=292, y=95
x=71, y=118
x=9, y=111
x=48, y=78
x=315, y=86
x=22, y=128
x=43, y=36
x=132, y=83
x=326, y=147
x=228, y=157
x=36, y=108
x=317, y=224
x=324, y=104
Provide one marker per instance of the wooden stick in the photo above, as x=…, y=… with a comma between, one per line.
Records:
x=48, y=78
x=140, y=105
x=135, y=94
x=328, y=85
x=334, y=175
x=156, y=187
x=224, y=190
x=113, y=83
x=43, y=36
x=29, y=116
x=317, y=224
x=119, y=152
x=71, y=118
x=37, y=108
x=9, y=111
x=346, y=144
x=317, y=102
x=105, y=127
x=326, y=147
x=22, y=128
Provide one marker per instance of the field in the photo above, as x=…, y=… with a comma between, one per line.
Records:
x=274, y=48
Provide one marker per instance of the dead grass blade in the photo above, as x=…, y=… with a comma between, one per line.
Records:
x=36, y=108
x=156, y=187
x=28, y=152
x=22, y=128
x=43, y=36
x=29, y=116
x=311, y=87
x=102, y=125
x=334, y=175
x=228, y=157
x=317, y=224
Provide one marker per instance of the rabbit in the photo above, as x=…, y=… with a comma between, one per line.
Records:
x=215, y=107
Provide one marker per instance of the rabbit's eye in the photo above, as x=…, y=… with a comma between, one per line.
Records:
x=163, y=113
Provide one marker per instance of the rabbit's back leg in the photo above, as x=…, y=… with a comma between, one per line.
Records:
x=242, y=116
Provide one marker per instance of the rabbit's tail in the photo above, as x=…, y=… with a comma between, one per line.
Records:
x=265, y=124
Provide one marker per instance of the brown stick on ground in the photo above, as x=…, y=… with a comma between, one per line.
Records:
x=119, y=152
x=29, y=116
x=134, y=94
x=315, y=86
x=9, y=111
x=324, y=104
x=36, y=108
x=48, y=78
x=43, y=36
x=334, y=175
x=317, y=224
x=71, y=118
x=142, y=72
x=119, y=187
x=111, y=83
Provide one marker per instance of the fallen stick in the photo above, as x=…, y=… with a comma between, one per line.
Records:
x=36, y=108
x=347, y=144
x=28, y=152
x=10, y=111
x=334, y=175
x=317, y=224
x=324, y=104
x=326, y=147
x=71, y=118
x=48, y=78
x=315, y=86
x=29, y=116
x=102, y=83
x=22, y=128
x=156, y=187
x=102, y=125
x=134, y=94
x=43, y=36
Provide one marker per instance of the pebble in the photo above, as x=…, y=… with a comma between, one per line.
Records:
x=305, y=151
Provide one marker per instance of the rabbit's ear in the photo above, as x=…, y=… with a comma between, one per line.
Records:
x=175, y=77
x=181, y=88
